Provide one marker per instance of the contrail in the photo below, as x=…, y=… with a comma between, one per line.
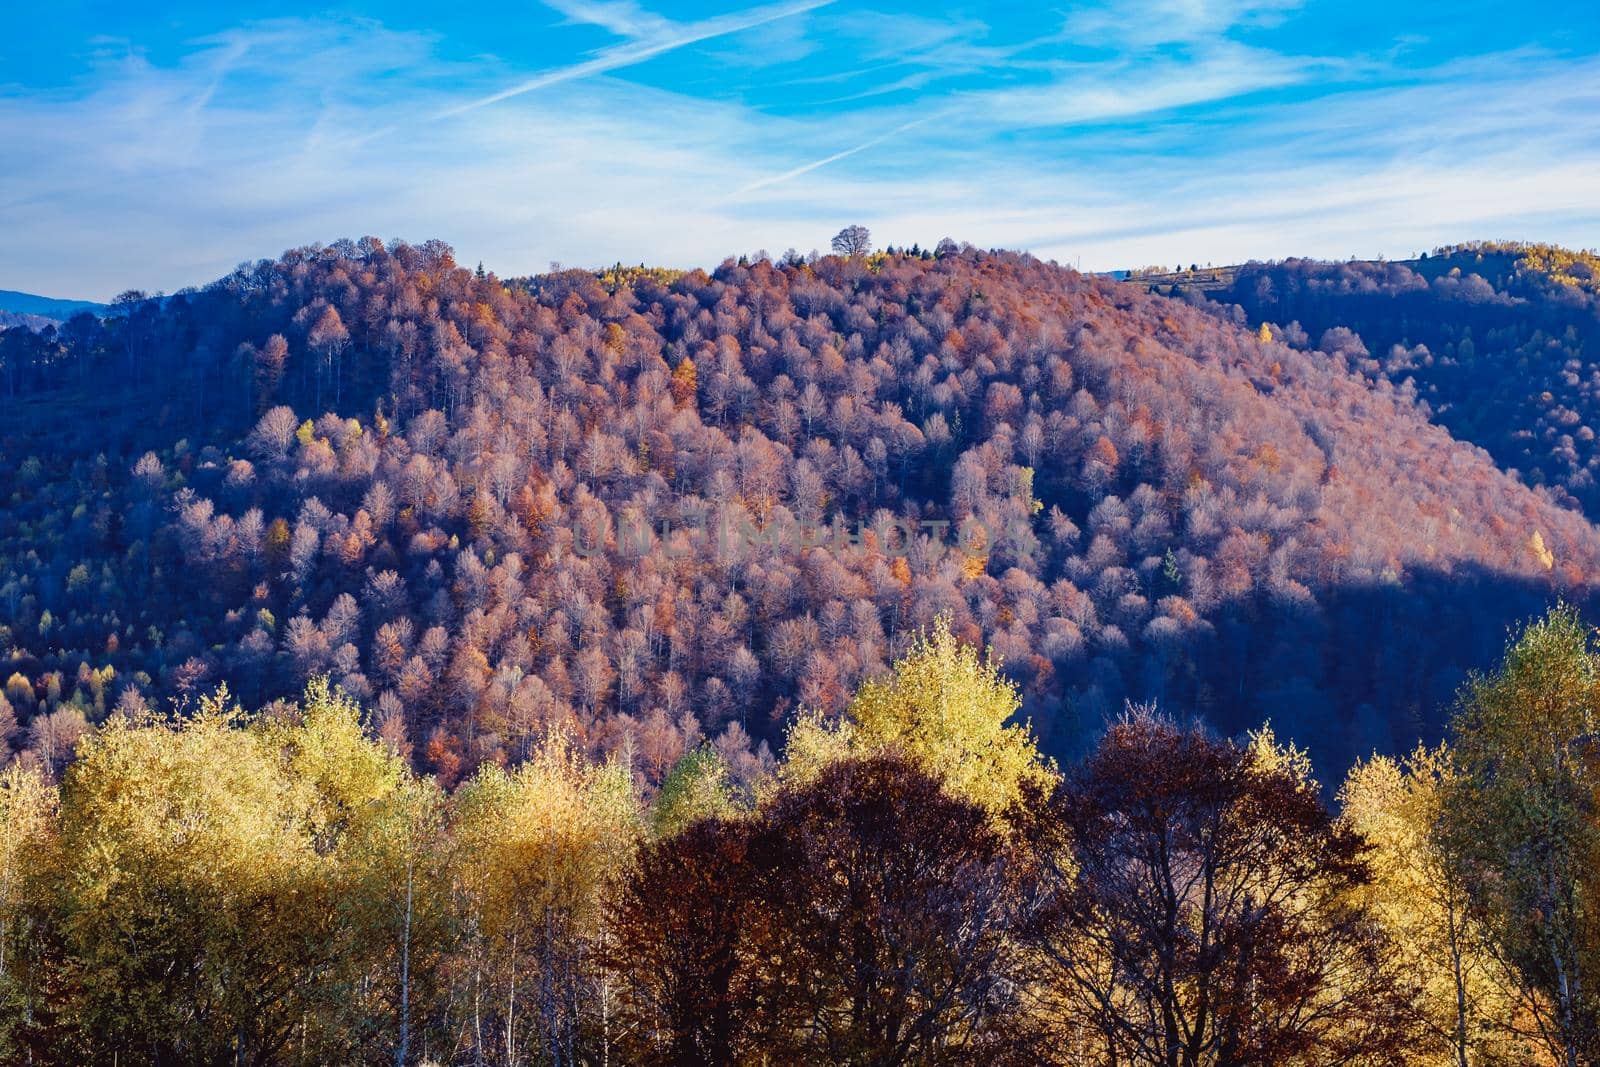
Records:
x=626, y=55
x=809, y=167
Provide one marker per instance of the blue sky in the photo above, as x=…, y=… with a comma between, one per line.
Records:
x=158, y=146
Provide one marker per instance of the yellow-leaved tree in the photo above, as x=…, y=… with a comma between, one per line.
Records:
x=232, y=889
x=184, y=889
x=378, y=828
x=946, y=706
x=27, y=854
x=1469, y=1001
x=533, y=852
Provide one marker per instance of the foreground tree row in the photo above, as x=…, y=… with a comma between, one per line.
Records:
x=911, y=884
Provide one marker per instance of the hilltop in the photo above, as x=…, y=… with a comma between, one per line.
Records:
x=46, y=307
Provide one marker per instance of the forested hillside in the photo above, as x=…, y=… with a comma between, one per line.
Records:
x=366, y=462
x=1500, y=341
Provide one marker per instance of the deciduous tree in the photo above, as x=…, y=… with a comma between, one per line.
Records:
x=1202, y=911
x=1522, y=812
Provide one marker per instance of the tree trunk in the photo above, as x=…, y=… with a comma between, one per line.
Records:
x=405, y=972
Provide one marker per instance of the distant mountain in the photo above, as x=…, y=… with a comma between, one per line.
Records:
x=45, y=306
x=9, y=319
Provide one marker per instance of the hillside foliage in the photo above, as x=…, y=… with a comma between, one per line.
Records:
x=486, y=511
x=1498, y=339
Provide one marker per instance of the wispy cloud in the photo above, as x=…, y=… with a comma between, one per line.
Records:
x=1148, y=23
x=1096, y=92
x=621, y=17
x=1226, y=145
x=654, y=39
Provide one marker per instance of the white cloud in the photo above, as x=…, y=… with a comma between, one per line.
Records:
x=1148, y=23
x=159, y=176
x=1100, y=92
x=663, y=37
x=620, y=17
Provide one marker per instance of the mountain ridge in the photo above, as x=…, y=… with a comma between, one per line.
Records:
x=47, y=307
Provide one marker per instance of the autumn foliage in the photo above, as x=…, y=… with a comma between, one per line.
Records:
x=280, y=888
x=380, y=684
x=486, y=509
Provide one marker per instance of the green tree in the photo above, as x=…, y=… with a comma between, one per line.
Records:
x=696, y=788
x=1521, y=812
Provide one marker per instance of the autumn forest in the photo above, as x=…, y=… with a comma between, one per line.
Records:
x=889, y=657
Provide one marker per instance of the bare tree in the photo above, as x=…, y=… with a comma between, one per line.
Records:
x=1199, y=910
x=853, y=241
